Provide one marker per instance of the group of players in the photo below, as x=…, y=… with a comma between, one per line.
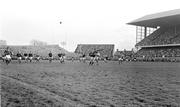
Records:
x=28, y=57
x=8, y=54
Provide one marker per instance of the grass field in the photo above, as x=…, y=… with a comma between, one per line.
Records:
x=75, y=84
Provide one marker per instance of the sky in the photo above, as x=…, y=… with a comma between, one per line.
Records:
x=83, y=21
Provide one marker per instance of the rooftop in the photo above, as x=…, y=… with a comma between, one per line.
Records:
x=167, y=18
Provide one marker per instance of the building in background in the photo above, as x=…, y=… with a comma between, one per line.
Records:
x=105, y=50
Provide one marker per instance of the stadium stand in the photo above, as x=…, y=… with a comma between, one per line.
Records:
x=125, y=54
x=163, y=43
x=162, y=36
x=106, y=50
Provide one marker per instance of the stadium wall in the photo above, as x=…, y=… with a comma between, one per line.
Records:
x=106, y=50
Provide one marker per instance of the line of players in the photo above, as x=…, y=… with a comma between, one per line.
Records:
x=7, y=56
x=37, y=57
x=94, y=57
x=27, y=56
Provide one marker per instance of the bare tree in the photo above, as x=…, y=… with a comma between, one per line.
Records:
x=37, y=43
x=3, y=43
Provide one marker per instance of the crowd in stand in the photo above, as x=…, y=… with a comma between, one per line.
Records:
x=172, y=53
x=162, y=36
x=150, y=54
x=156, y=52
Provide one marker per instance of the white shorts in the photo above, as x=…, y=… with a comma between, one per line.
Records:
x=19, y=58
x=38, y=58
x=50, y=57
x=4, y=57
x=120, y=59
x=30, y=58
x=96, y=58
x=92, y=59
x=8, y=57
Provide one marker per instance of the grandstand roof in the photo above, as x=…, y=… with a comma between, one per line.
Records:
x=167, y=18
x=95, y=44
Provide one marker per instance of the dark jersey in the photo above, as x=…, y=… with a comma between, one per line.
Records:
x=19, y=55
x=25, y=54
x=59, y=55
x=6, y=52
x=83, y=55
x=30, y=55
x=91, y=54
x=37, y=56
x=50, y=54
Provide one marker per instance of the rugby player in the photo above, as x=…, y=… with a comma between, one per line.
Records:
x=72, y=59
x=105, y=59
x=60, y=55
x=19, y=57
x=92, y=57
x=97, y=56
x=120, y=60
x=30, y=56
x=50, y=57
x=7, y=54
x=37, y=57
x=83, y=58
x=26, y=57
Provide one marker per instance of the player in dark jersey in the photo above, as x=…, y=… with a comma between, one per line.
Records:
x=97, y=57
x=3, y=58
x=19, y=57
x=82, y=58
x=30, y=56
x=92, y=56
x=72, y=59
x=50, y=57
x=26, y=57
x=37, y=57
x=61, y=57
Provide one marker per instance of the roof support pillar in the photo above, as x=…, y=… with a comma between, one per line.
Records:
x=145, y=32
